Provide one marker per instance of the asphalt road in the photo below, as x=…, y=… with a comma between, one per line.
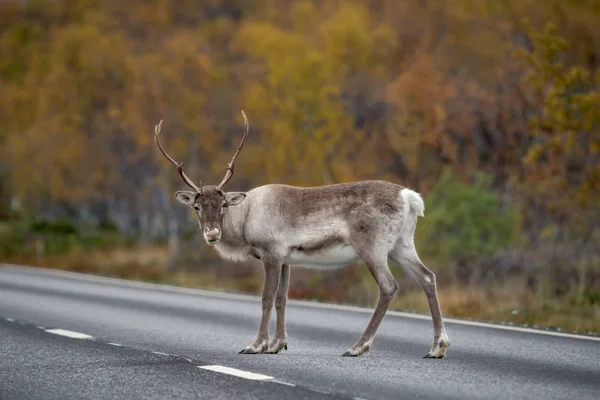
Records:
x=73, y=336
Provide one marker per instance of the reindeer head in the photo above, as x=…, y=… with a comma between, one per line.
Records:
x=209, y=202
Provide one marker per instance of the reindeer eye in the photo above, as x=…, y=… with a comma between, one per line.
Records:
x=224, y=205
x=196, y=208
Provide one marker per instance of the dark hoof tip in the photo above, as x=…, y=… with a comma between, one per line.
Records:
x=285, y=347
x=433, y=357
x=247, y=351
x=349, y=354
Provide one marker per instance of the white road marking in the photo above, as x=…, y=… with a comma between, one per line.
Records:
x=236, y=372
x=9, y=319
x=246, y=297
x=40, y=327
x=159, y=353
x=285, y=383
x=116, y=344
x=71, y=334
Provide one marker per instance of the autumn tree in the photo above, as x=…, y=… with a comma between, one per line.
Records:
x=335, y=91
x=564, y=158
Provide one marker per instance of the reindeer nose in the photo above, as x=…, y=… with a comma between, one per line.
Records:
x=212, y=235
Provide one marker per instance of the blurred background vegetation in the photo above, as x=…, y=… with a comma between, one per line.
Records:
x=491, y=109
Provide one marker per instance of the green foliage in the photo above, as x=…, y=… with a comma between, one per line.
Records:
x=591, y=297
x=12, y=241
x=18, y=238
x=61, y=227
x=465, y=222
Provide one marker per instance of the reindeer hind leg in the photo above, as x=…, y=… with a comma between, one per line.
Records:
x=406, y=256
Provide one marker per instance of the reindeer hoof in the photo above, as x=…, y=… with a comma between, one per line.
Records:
x=357, y=350
x=252, y=349
x=435, y=354
x=248, y=350
x=276, y=346
x=439, y=348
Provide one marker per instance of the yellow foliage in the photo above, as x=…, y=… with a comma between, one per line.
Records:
x=335, y=91
x=567, y=131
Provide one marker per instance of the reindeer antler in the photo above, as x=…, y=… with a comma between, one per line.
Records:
x=230, y=167
x=178, y=165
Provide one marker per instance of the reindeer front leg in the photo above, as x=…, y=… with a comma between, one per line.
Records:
x=272, y=268
x=280, y=340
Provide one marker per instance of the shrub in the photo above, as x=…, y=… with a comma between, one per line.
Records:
x=11, y=240
x=63, y=228
x=465, y=223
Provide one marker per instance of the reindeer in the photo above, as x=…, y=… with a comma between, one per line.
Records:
x=324, y=227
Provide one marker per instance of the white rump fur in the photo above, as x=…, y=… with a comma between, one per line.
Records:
x=415, y=201
x=413, y=207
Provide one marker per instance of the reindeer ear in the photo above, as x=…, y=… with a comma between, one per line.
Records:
x=234, y=198
x=186, y=197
